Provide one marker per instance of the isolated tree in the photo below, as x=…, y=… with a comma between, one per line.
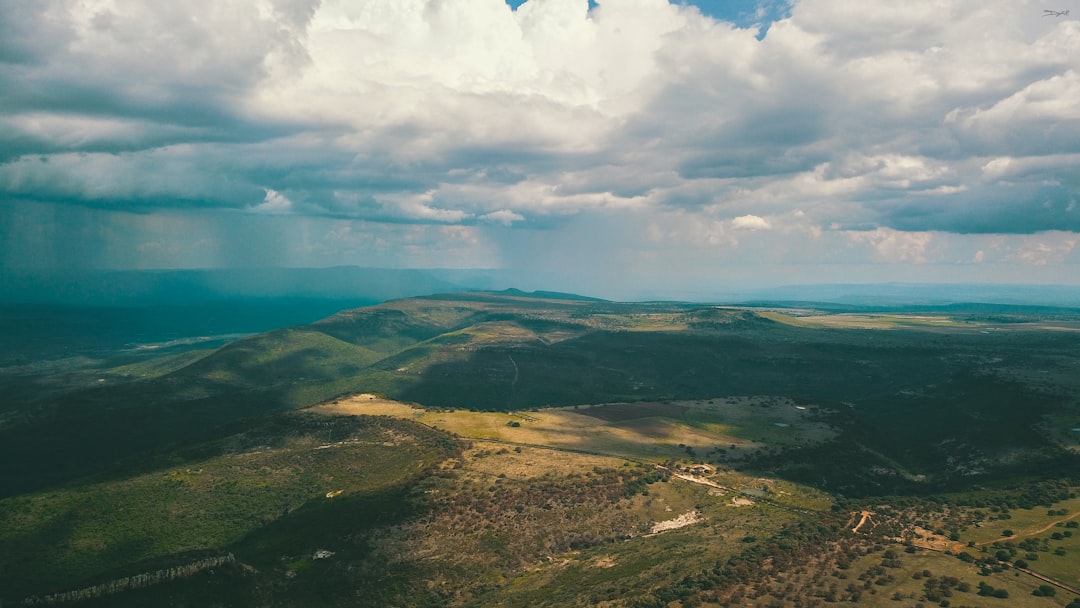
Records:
x=1045, y=591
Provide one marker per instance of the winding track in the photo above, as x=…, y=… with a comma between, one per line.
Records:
x=1030, y=533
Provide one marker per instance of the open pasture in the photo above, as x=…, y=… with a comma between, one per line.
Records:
x=1023, y=523
x=649, y=431
x=1048, y=539
x=923, y=321
x=867, y=321
x=749, y=420
x=1062, y=559
x=903, y=581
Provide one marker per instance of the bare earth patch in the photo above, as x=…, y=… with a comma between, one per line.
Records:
x=604, y=561
x=686, y=519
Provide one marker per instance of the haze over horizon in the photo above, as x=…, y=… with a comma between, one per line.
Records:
x=594, y=147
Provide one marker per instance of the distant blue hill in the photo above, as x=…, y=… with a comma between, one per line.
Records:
x=915, y=295
x=356, y=286
x=182, y=287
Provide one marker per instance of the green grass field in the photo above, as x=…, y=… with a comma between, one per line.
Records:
x=1044, y=532
x=909, y=581
x=1022, y=522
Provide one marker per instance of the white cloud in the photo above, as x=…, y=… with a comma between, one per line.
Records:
x=1044, y=250
x=750, y=222
x=423, y=207
x=894, y=247
x=274, y=202
x=913, y=122
x=502, y=216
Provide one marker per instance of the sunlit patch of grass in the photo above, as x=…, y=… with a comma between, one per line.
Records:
x=524, y=463
x=908, y=581
x=497, y=331
x=1062, y=560
x=1023, y=522
x=870, y=321
x=701, y=426
x=641, y=322
x=567, y=434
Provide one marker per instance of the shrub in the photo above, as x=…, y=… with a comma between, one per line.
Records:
x=1044, y=591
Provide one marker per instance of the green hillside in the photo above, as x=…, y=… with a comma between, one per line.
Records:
x=540, y=449
x=285, y=468
x=512, y=351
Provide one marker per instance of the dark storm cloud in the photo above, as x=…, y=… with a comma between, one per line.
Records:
x=27, y=35
x=467, y=114
x=1001, y=209
x=131, y=77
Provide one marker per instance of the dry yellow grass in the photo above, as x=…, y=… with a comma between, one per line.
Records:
x=652, y=439
x=530, y=463
x=912, y=321
x=647, y=431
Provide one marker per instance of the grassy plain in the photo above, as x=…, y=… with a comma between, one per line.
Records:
x=647, y=431
x=1043, y=537
x=981, y=323
x=1063, y=567
x=1023, y=522
x=906, y=577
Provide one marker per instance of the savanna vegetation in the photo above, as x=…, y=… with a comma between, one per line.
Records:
x=521, y=450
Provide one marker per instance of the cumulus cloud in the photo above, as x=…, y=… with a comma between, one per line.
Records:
x=889, y=128
x=894, y=246
x=750, y=222
x=502, y=216
x=274, y=202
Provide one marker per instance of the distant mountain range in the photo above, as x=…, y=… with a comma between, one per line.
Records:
x=144, y=287
x=369, y=285
x=893, y=295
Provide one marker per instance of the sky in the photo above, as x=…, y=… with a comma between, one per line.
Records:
x=605, y=147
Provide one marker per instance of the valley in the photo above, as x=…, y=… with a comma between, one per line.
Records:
x=504, y=448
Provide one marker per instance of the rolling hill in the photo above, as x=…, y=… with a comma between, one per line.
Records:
x=511, y=351
x=541, y=449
